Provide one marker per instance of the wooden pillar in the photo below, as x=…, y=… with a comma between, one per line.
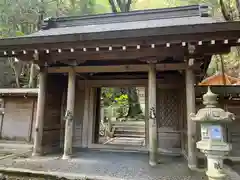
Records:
x=69, y=114
x=102, y=110
x=191, y=108
x=37, y=147
x=153, y=140
x=86, y=116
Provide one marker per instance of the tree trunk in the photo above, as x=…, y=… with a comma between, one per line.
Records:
x=16, y=67
x=123, y=5
x=17, y=80
x=238, y=7
x=133, y=103
x=224, y=11
x=113, y=6
x=32, y=79
x=222, y=69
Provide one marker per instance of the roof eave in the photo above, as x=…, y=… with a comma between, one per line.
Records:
x=125, y=34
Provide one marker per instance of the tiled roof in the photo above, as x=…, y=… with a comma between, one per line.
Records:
x=121, y=26
x=145, y=19
x=217, y=79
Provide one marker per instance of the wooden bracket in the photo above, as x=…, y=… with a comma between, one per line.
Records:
x=191, y=48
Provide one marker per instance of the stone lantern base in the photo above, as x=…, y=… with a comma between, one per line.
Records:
x=215, y=165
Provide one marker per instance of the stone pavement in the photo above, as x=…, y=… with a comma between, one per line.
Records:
x=106, y=165
x=235, y=170
x=232, y=174
x=9, y=149
x=96, y=165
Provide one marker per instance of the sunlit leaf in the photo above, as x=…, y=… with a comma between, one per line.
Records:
x=19, y=33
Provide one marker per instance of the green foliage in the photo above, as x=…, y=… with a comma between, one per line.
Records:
x=19, y=33
x=122, y=99
x=231, y=63
x=114, y=96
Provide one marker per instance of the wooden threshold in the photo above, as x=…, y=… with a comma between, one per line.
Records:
x=118, y=147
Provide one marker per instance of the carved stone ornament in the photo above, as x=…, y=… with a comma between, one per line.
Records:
x=68, y=116
x=211, y=113
x=152, y=113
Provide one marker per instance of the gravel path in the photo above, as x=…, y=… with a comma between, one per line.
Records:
x=127, y=166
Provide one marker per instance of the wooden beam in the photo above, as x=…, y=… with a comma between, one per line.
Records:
x=123, y=76
x=173, y=82
x=159, y=53
x=119, y=68
x=129, y=53
x=211, y=49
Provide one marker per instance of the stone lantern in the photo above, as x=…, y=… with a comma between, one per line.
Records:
x=213, y=142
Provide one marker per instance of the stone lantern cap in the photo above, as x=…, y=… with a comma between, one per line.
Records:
x=211, y=113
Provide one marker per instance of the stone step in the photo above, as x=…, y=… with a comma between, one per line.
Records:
x=130, y=129
x=128, y=124
x=129, y=132
x=129, y=135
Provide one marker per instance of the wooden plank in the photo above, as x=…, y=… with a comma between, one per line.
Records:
x=52, y=116
x=17, y=119
x=32, y=121
x=78, y=118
